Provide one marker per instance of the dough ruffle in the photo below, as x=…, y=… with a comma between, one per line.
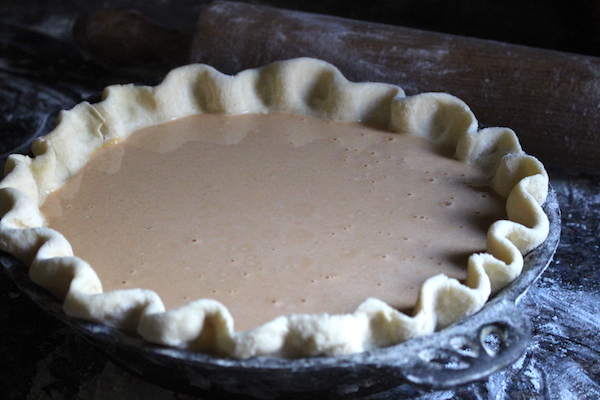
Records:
x=301, y=86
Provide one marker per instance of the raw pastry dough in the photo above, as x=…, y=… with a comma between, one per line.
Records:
x=300, y=86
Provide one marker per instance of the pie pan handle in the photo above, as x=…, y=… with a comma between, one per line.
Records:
x=470, y=350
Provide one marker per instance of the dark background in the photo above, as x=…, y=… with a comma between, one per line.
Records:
x=572, y=26
x=41, y=72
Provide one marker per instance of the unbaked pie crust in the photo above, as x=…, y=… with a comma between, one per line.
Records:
x=300, y=86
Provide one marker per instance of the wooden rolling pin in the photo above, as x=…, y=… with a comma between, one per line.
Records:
x=551, y=99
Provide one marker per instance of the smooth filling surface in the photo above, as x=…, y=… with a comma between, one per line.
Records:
x=274, y=214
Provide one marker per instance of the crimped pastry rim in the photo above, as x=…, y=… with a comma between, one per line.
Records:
x=300, y=86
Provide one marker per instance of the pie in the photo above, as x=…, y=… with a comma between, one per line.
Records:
x=283, y=211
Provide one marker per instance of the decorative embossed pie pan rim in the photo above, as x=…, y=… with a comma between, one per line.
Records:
x=459, y=353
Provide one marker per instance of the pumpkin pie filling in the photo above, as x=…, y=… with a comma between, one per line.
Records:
x=274, y=214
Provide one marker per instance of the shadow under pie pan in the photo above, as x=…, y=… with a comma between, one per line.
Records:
x=471, y=349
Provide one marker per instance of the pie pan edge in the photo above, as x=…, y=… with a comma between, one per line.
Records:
x=453, y=356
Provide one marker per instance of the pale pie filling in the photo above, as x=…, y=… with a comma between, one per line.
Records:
x=274, y=214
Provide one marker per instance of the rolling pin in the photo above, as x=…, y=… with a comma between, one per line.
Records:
x=550, y=98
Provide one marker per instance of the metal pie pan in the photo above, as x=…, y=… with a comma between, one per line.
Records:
x=469, y=350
